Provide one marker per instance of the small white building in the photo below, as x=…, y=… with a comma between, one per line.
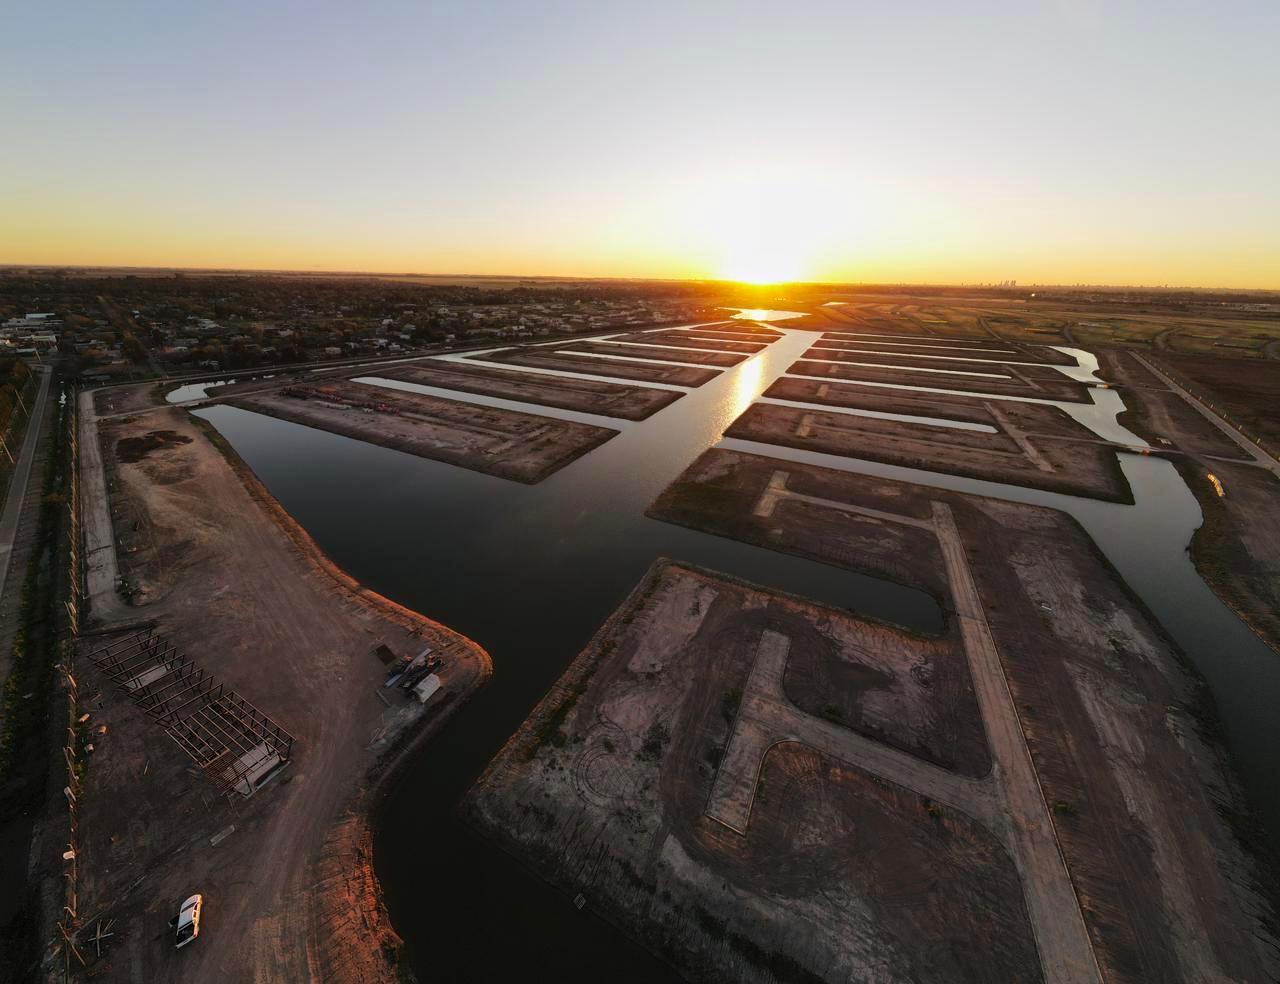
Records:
x=427, y=686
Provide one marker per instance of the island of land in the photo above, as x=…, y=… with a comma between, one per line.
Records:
x=762, y=332
x=681, y=780
x=555, y=357
x=507, y=443
x=585, y=395
x=1004, y=380
x=974, y=361
x=658, y=353
x=676, y=781
x=1022, y=444
x=681, y=339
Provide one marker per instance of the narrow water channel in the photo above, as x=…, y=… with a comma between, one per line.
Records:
x=531, y=571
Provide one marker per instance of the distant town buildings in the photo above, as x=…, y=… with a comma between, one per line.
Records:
x=132, y=325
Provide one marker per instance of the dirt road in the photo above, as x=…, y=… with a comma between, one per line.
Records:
x=1066, y=953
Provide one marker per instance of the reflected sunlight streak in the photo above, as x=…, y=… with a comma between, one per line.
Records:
x=746, y=387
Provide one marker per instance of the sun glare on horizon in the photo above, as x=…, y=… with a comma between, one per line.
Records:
x=772, y=225
x=762, y=263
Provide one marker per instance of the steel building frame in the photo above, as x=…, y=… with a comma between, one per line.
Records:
x=231, y=740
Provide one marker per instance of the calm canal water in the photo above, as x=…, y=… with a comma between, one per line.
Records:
x=530, y=572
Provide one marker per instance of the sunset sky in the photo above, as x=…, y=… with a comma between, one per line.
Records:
x=1053, y=142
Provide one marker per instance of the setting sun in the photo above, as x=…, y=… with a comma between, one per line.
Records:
x=762, y=263
x=773, y=221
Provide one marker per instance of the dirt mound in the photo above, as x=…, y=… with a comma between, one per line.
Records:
x=133, y=449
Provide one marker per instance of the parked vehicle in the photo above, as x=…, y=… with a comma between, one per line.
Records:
x=189, y=921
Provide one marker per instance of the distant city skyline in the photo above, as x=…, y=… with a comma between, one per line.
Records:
x=1048, y=143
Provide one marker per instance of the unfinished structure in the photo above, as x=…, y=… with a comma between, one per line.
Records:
x=237, y=745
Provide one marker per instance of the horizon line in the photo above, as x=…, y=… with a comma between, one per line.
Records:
x=618, y=278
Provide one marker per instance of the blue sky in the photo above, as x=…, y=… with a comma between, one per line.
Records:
x=1103, y=142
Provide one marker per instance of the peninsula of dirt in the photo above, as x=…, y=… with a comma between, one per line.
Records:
x=215, y=566
x=506, y=443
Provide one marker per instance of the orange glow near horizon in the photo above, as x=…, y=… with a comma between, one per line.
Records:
x=762, y=264
x=747, y=227
x=613, y=146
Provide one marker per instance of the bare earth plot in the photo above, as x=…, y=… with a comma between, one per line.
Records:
x=657, y=353
x=1030, y=417
x=555, y=357
x=1237, y=548
x=870, y=322
x=633, y=780
x=1249, y=392
x=1032, y=363
x=950, y=327
x=1017, y=453
x=121, y=399
x=826, y=317
x=1158, y=414
x=985, y=348
x=741, y=328
x=726, y=334
x=915, y=343
x=1003, y=380
x=236, y=585
x=681, y=339
x=1086, y=705
x=506, y=443
x=586, y=395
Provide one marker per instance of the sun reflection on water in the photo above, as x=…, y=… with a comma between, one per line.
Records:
x=746, y=387
x=763, y=314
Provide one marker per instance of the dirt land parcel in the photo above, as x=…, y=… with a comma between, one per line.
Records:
x=740, y=328
x=1248, y=391
x=505, y=443
x=944, y=406
x=632, y=780
x=865, y=339
x=1029, y=364
x=1004, y=380
x=1237, y=547
x=657, y=353
x=1088, y=710
x=552, y=357
x=1023, y=450
x=235, y=585
x=683, y=339
x=723, y=334
x=586, y=395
